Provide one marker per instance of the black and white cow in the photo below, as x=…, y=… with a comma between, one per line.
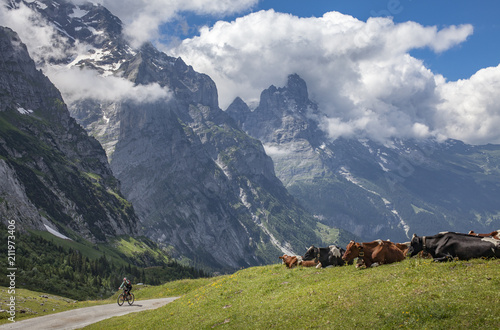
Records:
x=329, y=256
x=447, y=246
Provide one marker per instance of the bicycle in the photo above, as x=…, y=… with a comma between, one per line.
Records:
x=130, y=298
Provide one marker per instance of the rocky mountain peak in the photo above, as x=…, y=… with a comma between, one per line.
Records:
x=296, y=88
x=239, y=111
x=80, y=21
x=283, y=114
x=292, y=98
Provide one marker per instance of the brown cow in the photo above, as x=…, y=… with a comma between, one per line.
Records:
x=403, y=247
x=289, y=261
x=374, y=253
x=495, y=234
x=309, y=263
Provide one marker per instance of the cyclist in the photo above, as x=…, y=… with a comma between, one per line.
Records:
x=128, y=286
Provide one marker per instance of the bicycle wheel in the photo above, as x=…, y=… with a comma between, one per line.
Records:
x=131, y=299
x=121, y=299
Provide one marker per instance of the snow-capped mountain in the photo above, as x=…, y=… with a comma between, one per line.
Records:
x=375, y=190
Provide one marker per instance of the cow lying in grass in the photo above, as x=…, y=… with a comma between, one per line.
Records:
x=310, y=263
x=449, y=246
x=373, y=253
x=404, y=247
x=292, y=261
x=330, y=256
x=495, y=234
x=289, y=261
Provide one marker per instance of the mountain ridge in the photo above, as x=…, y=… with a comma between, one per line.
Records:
x=370, y=188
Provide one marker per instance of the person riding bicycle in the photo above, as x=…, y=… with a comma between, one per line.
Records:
x=128, y=286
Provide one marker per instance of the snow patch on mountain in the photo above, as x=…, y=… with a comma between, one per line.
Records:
x=349, y=177
x=402, y=223
x=286, y=248
x=78, y=13
x=56, y=233
x=98, y=57
x=24, y=111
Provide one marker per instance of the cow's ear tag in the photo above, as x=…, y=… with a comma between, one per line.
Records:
x=361, y=253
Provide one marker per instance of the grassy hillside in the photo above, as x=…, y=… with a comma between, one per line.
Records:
x=416, y=293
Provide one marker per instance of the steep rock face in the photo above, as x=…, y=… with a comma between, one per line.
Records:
x=284, y=114
x=198, y=183
x=371, y=189
x=54, y=173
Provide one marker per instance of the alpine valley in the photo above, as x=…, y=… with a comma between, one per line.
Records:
x=200, y=187
x=219, y=190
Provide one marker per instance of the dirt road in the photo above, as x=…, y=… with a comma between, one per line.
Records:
x=78, y=318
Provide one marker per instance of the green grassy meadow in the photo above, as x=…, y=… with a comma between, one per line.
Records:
x=414, y=294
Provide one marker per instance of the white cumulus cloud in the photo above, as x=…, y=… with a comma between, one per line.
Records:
x=77, y=84
x=360, y=73
x=470, y=110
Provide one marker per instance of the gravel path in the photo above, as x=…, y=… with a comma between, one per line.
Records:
x=78, y=318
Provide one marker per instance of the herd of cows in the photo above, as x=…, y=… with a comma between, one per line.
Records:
x=442, y=247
